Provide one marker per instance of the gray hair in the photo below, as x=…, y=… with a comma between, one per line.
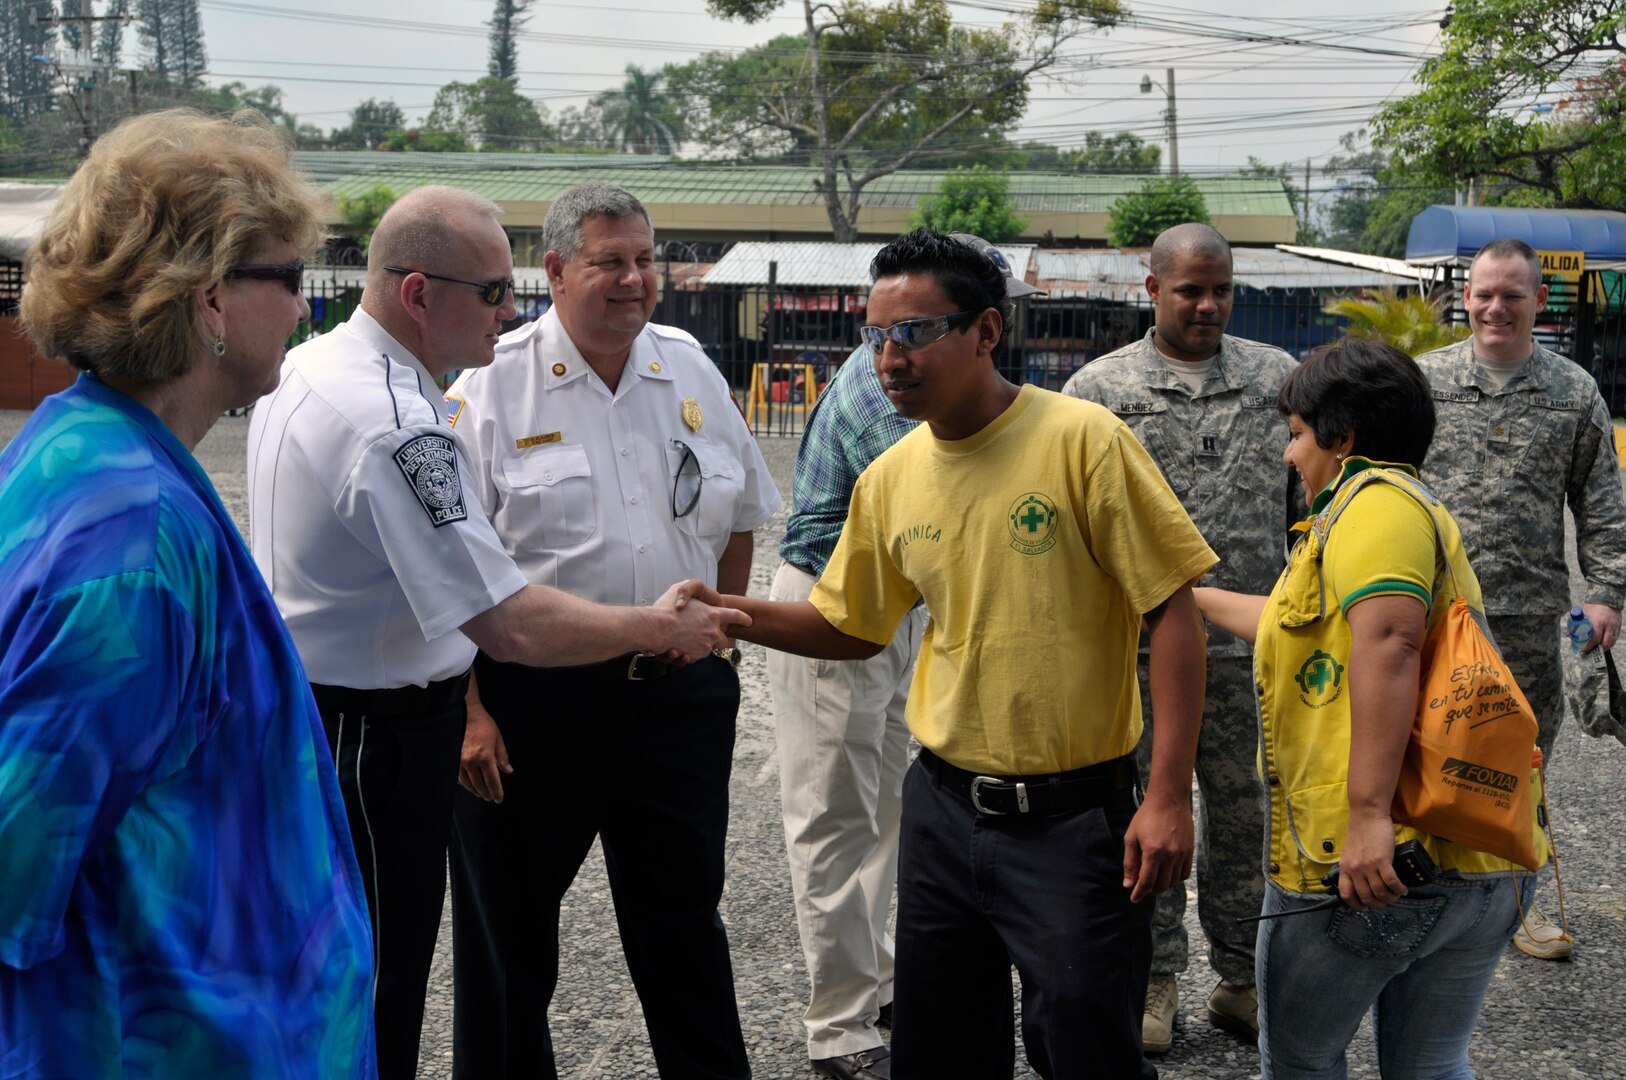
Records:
x=1190, y=240
x=562, y=228
x=420, y=224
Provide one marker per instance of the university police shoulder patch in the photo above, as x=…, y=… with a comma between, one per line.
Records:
x=429, y=463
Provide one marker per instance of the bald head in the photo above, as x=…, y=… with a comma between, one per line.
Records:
x=1191, y=240
x=446, y=248
x=423, y=226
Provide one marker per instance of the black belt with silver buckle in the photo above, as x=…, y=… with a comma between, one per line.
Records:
x=1049, y=793
x=642, y=667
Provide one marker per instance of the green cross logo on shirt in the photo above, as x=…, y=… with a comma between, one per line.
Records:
x=1320, y=680
x=1032, y=522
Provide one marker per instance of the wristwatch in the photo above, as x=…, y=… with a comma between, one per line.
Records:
x=731, y=655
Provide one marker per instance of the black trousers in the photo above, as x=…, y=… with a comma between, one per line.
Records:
x=397, y=752
x=978, y=894
x=644, y=766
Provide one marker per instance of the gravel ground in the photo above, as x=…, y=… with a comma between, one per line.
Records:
x=1542, y=1019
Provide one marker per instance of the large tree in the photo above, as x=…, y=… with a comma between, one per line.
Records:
x=867, y=89
x=1124, y=152
x=172, y=40
x=489, y=114
x=27, y=86
x=371, y=121
x=507, y=19
x=640, y=116
x=1529, y=93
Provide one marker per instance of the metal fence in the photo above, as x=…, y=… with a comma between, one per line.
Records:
x=776, y=346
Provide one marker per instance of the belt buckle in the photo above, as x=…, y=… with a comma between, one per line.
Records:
x=1021, y=796
x=632, y=667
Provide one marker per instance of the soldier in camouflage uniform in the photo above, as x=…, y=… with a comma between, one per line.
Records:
x=1521, y=432
x=1204, y=405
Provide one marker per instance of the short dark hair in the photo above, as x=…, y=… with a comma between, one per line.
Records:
x=1509, y=248
x=1365, y=387
x=969, y=277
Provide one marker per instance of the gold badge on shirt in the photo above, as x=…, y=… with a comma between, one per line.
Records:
x=558, y=369
x=537, y=440
x=691, y=414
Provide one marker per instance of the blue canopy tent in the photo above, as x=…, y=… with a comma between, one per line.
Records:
x=1585, y=320
x=1450, y=235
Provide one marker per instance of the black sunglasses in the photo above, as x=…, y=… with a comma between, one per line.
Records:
x=290, y=274
x=687, y=483
x=492, y=292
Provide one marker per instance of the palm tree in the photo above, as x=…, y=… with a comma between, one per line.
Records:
x=1410, y=323
x=639, y=117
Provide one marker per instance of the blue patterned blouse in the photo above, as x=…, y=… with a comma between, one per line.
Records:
x=178, y=894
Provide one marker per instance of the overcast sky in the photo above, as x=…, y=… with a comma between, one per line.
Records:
x=1235, y=98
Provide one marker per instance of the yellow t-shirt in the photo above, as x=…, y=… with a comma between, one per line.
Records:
x=1037, y=544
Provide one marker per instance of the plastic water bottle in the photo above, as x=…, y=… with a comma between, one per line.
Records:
x=1578, y=629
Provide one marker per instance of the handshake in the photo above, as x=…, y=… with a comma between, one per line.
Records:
x=694, y=621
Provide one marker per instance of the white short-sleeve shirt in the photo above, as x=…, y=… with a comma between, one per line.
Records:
x=579, y=481
x=363, y=515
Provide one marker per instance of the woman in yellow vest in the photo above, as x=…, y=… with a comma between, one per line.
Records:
x=1336, y=663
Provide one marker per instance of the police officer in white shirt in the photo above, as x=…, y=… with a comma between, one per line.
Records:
x=613, y=462
x=389, y=573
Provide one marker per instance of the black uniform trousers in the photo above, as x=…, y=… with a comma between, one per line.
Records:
x=644, y=766
x=1042, y=891
x=397, y=753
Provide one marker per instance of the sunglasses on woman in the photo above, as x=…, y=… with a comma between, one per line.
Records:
x=290, y=274
x=492, y=292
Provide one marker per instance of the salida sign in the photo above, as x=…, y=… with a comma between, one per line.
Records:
x=1567, y=265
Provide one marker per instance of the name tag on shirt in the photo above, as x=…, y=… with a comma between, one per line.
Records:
x=1461, y=396
x=537, y=440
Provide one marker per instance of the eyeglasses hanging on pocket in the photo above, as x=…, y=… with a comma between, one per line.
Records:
x=687, y=483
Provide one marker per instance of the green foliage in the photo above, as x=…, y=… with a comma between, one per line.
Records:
x=1162, y=202
x=371, y=122
x=869, y=88
x=489, y=114
x=362, y=213
x=1124, y=152
x=1472, y=118
x=1412, y=323
x=26, y=85
x=975, y=200
x=640, y=117
x=507, y=20
x=418, y=139
x=172, y=40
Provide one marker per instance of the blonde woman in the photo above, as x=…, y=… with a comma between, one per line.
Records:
x=180, y=896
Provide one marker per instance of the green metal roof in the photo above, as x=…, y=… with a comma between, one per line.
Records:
x=655, y=180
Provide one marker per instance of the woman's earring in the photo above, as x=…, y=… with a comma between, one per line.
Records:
x=1340, y=457
x=220, y=346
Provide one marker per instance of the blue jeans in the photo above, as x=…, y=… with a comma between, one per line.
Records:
x=1421, y=964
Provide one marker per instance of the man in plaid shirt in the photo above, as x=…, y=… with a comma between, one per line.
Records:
x=843, y=745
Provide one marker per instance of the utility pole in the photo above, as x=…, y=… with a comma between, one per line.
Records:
x=1146, y=84
x=1306, y=226
x=79, y=75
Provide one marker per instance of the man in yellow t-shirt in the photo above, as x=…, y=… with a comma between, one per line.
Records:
x=1040, y=534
